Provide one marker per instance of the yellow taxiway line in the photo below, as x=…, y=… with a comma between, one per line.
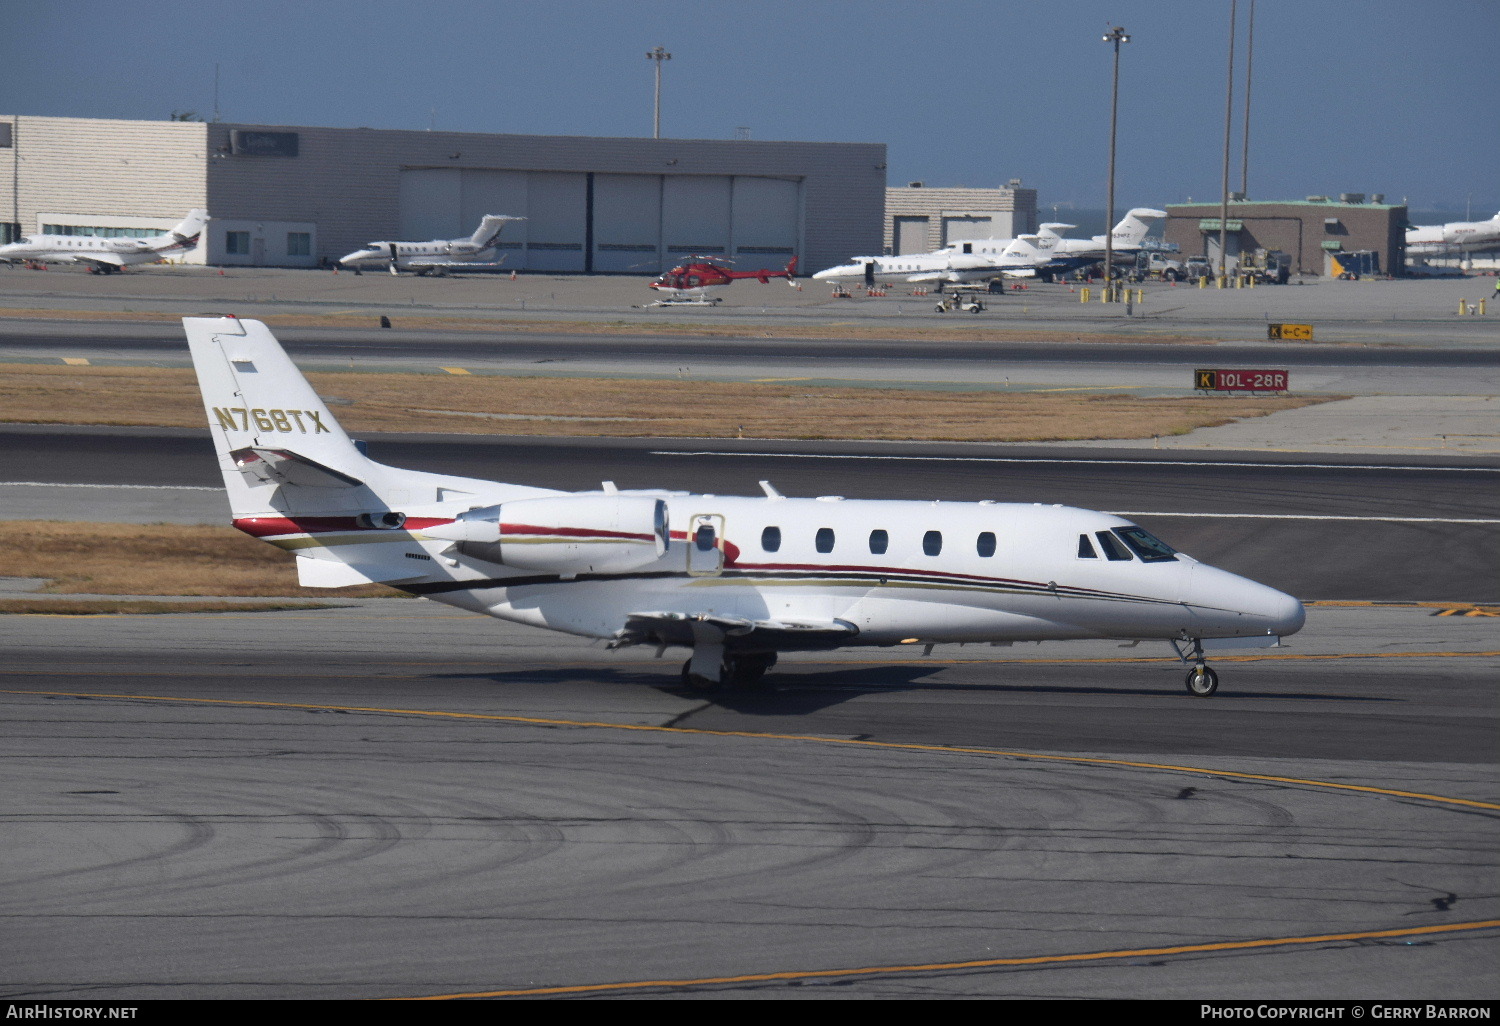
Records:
x=986, y=963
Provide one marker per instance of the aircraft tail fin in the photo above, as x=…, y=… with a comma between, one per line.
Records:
x=490, y=227
x=189, y=229
x=1030, y=247
x=1132, y=229
x=274, y=435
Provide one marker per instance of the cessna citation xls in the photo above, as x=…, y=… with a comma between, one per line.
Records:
x=107, y=255
x=735, y=579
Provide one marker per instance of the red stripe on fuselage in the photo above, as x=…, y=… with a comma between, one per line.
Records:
x=270, y=527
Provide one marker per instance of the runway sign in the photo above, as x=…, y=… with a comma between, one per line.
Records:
x=1297, y=332
x=1240, y=380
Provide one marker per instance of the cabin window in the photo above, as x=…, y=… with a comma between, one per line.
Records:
x=1111, y=546
x=824, y=540
x=1150, y=548
x=879, y=542
x=703, y=538
x=932, y=542
x=1086, y=548
x=770, y=539
x=985, y=545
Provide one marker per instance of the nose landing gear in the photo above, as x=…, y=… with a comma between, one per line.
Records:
x=1201, y=680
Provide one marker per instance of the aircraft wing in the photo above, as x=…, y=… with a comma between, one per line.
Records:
x=112, y=259
x=670, y=628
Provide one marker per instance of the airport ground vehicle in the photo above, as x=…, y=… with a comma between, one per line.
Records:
x=1266, y=266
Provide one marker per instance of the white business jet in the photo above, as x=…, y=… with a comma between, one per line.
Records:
x=954, y=265
x=1453, y=237
x=735, y=579
x=105, y=255
x=440, y=256
x=1067, y=254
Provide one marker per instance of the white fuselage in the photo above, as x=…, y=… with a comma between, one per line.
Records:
x=77, y=249
x=417, y=254
x=949, y=572
x=946, y=265
x=1456, y=236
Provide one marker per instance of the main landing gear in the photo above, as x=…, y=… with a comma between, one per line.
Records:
x=736, y=670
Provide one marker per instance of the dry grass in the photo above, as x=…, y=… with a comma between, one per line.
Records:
x=138, y=607
x=154, y=559
x=51, y=394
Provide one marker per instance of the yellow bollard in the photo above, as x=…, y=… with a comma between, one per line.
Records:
x=1463, y=305
x=1203, y=282
x=1481, y=308
x=1083, y=295
x=1140, y=296
x=1252, y=282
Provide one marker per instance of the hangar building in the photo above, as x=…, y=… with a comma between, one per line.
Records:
x=919, y=219
x=1314, y=231
x=298, y=196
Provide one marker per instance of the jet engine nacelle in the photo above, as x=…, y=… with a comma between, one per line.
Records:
x=566, y=534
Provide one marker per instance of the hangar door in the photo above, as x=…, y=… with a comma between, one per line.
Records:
x=966, y=227
x=610, y=223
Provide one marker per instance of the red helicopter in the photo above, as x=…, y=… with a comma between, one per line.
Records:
x=689, y=281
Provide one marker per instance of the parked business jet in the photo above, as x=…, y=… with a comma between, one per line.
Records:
x=735, y=579
x=1067, y=254
x=961, y=262
x=105, y=255
x=440, y=256
x=1454, y=237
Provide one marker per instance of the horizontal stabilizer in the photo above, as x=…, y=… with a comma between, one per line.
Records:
x=325, y=573
x=282, y=466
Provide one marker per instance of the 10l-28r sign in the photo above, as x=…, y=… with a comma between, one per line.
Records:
x=1240, y=380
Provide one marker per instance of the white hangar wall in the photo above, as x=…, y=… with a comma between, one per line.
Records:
x=298, y=195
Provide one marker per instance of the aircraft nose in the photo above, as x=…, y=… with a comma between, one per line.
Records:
x=1287, y=613
x=1242, y=603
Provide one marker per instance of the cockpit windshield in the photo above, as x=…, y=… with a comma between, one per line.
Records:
x=1146, y=545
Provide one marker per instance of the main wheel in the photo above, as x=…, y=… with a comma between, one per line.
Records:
x=1202, y=681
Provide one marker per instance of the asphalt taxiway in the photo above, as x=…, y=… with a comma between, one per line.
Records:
x=383, y=802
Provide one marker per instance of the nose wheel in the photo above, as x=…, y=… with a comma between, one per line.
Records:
x=1202, y=681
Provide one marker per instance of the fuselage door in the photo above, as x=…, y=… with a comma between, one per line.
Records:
x=705, y=544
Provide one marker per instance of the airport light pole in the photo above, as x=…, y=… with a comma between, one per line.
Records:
x=1117, y=35
x=1228, y=118
x=658, y=55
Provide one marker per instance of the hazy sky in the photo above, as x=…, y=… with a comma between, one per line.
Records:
x=1393, y=96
